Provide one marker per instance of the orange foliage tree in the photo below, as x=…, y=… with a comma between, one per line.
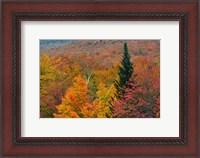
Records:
x=75, y=102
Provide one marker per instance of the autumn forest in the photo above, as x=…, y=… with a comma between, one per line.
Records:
x=99, y=78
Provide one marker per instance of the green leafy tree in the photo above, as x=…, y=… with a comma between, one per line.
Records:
x=125, y=72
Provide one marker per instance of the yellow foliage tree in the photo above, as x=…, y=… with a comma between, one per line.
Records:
x=47, y=77
x=102, y=103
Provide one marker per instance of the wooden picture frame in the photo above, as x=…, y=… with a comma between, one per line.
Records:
x=185, y=12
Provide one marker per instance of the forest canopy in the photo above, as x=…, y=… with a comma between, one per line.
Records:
x=100, y=79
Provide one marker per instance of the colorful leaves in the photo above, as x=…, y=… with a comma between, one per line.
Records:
x=75, y=103
x=82, y=85
x=104, y=99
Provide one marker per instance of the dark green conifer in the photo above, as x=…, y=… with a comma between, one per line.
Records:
x=125, y=71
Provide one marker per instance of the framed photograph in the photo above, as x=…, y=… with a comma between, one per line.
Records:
x=100, y=79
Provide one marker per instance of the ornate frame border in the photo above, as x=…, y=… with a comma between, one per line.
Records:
x=98, y=141
x=188, y=142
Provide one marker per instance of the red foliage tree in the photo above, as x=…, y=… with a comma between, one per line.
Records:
x=133, y=103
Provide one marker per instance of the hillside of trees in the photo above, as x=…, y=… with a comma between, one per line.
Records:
x=100, y=79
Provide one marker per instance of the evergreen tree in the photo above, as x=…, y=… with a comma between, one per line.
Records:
x=125, y=72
